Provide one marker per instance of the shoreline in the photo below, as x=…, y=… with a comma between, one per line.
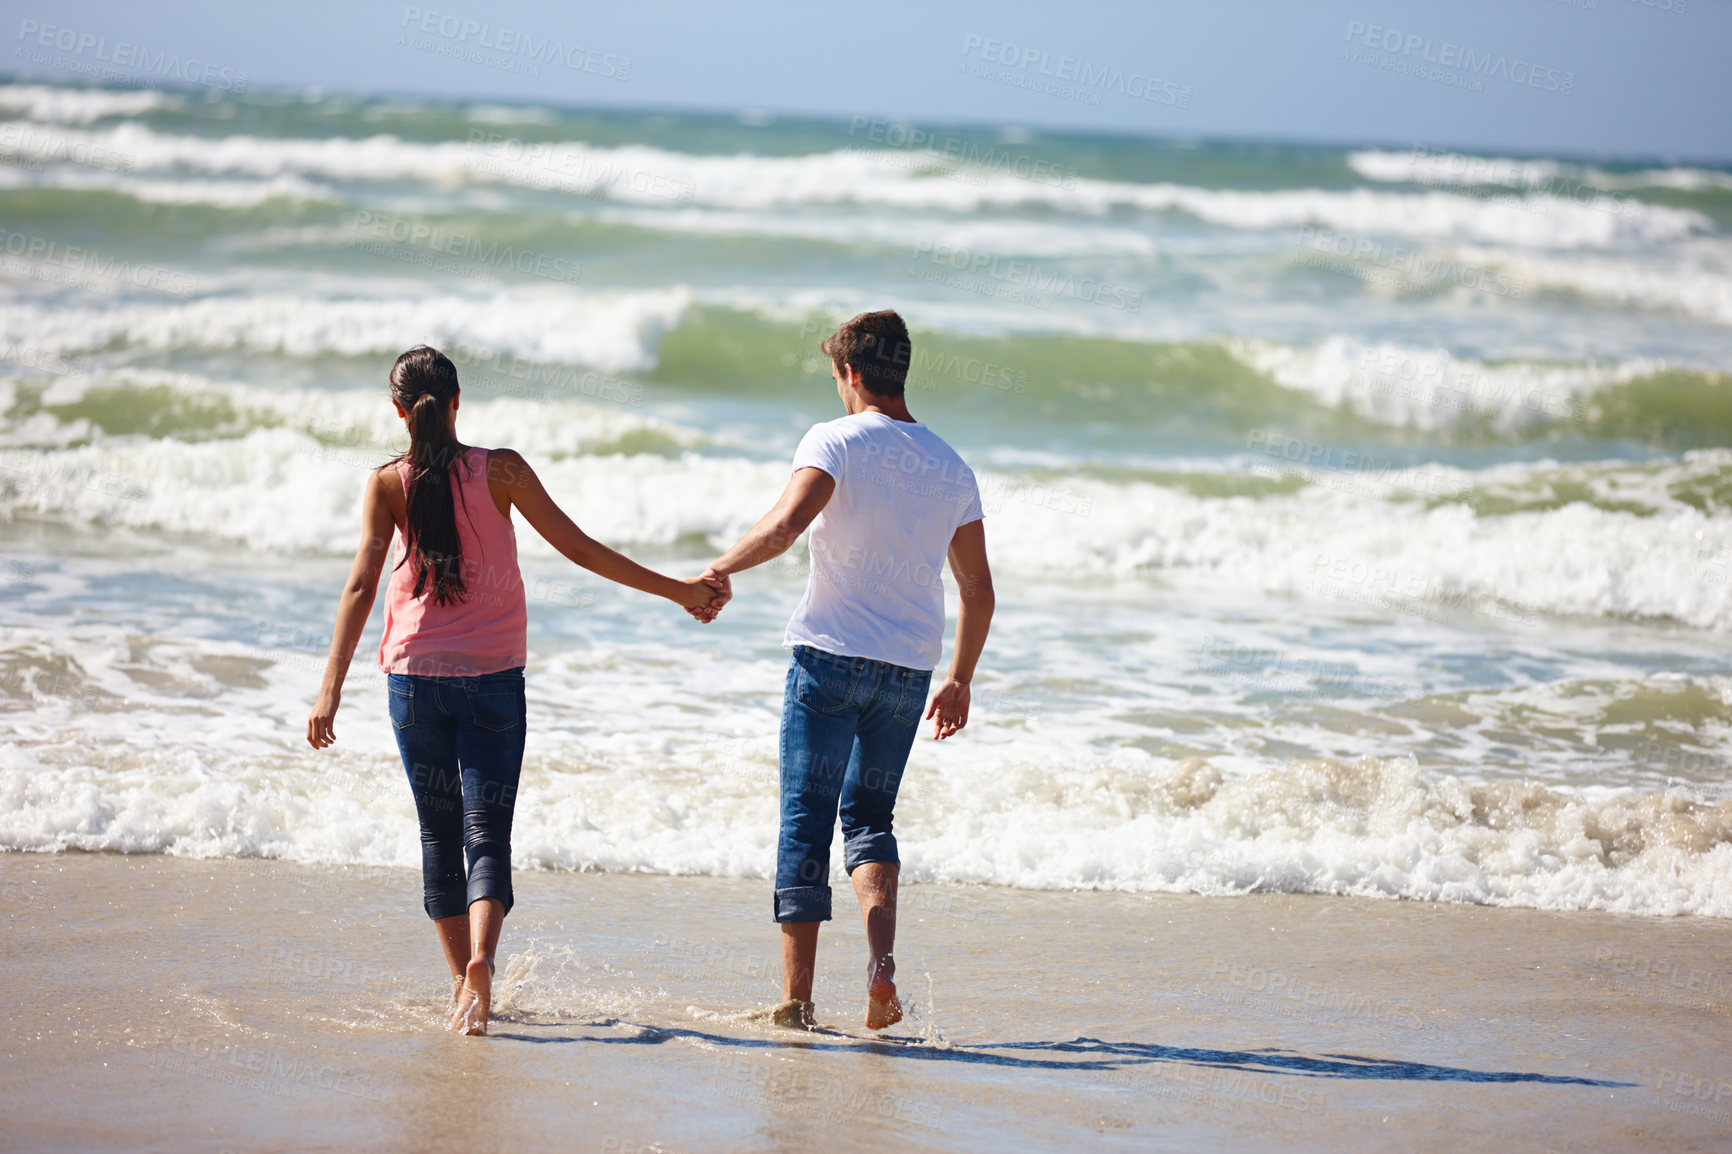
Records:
x=254, y=1005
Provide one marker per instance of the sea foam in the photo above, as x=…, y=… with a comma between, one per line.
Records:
x=1376, y=827
x=1608, y=539
x=651, y=176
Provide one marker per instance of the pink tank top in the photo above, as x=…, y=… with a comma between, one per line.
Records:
x=485, y=632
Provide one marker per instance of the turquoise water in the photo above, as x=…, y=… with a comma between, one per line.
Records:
x=1362, y=519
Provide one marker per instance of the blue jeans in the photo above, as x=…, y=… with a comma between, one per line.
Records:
x=847, y=726
x=462, y=744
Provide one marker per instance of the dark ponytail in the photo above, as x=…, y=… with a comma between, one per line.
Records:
x=423, y=383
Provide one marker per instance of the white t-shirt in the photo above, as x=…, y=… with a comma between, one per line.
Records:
x=877, y=583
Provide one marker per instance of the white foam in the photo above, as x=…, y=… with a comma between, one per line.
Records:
x=1370, y=522
x=80, y=105
x=932, y=239
x=1682, y=179
x=1538, y=222
x=1432, y=390
x=1411, y=534
x=658, y=177
x=217, y=193
x=283, y=491
x=602, y=791
x=1375, y=828
x=1451, y=168
x=509, y=114
x=293, y=485
x=611, y=331
x=1695, y=282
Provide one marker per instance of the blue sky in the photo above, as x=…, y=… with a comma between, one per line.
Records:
x=1639, y=78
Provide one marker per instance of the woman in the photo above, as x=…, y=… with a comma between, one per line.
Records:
x=453, y=650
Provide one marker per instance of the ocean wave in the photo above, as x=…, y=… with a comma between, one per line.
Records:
x=1125, y=373
x=741, y=339
x=231, y=194
x=935, y=238
x=1696, y=282
x=1336, y=525
x=509, y=114
x=659, y=177
x=1432, y=390
x=1333, y=223
x=1450, y=168
x=1534, y=222
x=1425, y=542
x=287, y=491
x=80, y=105
x=282, y=470
x=611, y=331
x=636, y=767
x=563, y=414
x=1376, y=827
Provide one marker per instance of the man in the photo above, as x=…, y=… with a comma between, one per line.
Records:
x=887, y=500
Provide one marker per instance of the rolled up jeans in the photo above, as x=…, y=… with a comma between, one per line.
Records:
x=848, y=724
x=462, y=744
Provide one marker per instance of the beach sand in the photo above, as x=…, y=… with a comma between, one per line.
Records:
x=162, y=1003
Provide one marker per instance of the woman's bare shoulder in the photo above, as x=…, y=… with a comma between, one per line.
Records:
x=386, y=480
x=507, y=466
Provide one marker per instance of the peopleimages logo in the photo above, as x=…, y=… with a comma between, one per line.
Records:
x=985, y=268
x=104, y=61
x=1071, y=76
x=417, y=233
x=45, y=259
x=1412, y=267
x=468, y=38
x=1398, y=46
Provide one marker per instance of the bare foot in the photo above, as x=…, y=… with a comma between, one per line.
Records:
x=474, y=998
x=794, y=1015
x=882, y=1008
x=456, y=987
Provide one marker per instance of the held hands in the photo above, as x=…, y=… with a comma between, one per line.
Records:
x=716, y=590
x=950, y=708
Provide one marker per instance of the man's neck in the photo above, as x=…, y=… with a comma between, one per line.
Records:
x=893, y=407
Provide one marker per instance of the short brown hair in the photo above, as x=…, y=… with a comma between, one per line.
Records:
x=876, y=346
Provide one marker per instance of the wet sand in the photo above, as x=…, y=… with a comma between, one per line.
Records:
x=158, y=1003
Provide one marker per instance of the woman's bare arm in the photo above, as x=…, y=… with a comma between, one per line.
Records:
x=527, y=494
x=377, y=525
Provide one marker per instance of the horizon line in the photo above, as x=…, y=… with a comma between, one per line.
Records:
x=741, y=114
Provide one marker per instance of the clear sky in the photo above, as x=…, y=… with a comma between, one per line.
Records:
x=1638, y=78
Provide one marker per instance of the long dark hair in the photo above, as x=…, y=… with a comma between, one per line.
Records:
x=423, y=382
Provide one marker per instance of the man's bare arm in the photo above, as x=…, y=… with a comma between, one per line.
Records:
x=808, y=491
x=973, y=575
